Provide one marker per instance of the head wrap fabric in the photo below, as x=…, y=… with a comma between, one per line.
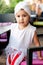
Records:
x=22, y=5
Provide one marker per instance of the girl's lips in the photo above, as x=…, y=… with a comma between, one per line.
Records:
x=21, y=22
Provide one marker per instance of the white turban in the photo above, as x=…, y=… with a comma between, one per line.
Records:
x=22, y=5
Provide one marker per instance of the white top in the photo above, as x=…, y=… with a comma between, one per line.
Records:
x=21, y=39
x=41, y=6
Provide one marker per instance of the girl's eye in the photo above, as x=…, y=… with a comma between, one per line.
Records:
x=22, y=15
x=18, y=16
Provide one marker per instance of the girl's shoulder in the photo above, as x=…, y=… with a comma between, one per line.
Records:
x=31, y=27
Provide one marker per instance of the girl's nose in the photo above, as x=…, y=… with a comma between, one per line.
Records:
x=21, y=18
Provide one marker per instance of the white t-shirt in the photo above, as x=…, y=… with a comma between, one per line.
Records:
x=20, y=39
x=41, y=6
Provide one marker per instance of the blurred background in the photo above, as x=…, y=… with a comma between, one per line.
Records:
x=7, y=6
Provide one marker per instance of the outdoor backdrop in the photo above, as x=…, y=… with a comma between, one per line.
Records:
x=7, y=6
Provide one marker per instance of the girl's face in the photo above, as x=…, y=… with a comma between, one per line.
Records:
x=22, y=18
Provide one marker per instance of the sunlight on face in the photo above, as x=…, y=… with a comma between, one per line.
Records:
x=22, y=18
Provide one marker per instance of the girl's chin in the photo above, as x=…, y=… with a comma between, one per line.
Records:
x=21, y=24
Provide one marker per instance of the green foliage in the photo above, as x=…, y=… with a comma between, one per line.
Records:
x=8, y=8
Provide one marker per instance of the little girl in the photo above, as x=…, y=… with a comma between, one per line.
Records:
x=22, y=35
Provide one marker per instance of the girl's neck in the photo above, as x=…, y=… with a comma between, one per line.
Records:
x=22, y=27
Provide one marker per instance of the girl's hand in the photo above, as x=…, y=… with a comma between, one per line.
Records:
x=41, y=58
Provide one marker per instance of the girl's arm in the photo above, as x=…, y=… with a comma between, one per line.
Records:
x=37, y=43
